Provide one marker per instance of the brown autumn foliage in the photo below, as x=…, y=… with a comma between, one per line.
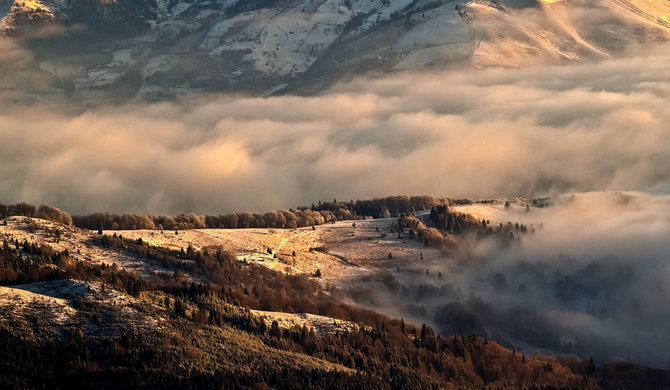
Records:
x=383, y=353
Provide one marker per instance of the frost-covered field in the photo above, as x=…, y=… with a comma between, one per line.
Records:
x=321, y=325
x=44, y=310
x=78, y=242
x=342, y=250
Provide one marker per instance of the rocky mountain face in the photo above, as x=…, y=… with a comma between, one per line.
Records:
x=157, y=49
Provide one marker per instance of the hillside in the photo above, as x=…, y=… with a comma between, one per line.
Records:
x=199, y=335
x=297, y=307
x=157, y=50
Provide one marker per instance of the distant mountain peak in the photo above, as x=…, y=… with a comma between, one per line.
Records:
x=157, y=49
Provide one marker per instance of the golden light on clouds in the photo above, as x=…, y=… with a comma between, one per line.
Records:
x=495, y=132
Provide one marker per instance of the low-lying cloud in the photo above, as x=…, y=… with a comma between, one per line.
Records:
x=592, y=280
x=588, y=279
x=479, y=133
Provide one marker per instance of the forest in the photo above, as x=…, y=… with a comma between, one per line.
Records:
x=381, y=353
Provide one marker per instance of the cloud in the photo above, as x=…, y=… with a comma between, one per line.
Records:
x=493, y=132
x=594, y=274
x=589, y=279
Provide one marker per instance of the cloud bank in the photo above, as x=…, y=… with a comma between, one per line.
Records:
x=496, y=132
x=590, y=279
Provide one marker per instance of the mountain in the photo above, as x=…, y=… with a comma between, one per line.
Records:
x=154, y=50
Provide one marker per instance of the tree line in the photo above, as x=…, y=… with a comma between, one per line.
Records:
x=443, y=223
x=27, y=210
x=317, y=214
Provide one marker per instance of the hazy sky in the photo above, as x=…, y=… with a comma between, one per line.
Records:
x=480, y=133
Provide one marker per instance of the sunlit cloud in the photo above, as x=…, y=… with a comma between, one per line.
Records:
x=496, y=132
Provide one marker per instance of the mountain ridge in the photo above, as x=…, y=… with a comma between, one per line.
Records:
x=160, y=49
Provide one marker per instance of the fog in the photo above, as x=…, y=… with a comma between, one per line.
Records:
x=480, y=133
x=588, y=279
x=594, y=277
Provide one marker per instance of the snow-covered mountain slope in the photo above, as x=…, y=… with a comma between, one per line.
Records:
x=158, y=48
